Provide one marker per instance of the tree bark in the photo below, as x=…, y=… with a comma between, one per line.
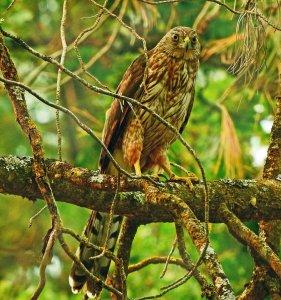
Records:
x=249, y=200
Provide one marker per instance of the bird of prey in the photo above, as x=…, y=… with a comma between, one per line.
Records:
x=164, y=81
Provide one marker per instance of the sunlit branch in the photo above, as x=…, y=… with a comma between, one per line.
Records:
x=89, y=189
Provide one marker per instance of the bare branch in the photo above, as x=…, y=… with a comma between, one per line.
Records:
x=248, y=237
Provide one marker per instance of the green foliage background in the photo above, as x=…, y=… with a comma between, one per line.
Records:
x=249, y=104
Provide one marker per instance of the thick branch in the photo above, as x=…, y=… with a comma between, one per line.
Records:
x=248, y=199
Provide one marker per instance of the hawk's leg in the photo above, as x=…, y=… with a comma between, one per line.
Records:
x=159, y=157
x=137, y=168
x=132, y=145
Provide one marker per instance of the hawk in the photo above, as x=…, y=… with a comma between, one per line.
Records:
x=165, y=82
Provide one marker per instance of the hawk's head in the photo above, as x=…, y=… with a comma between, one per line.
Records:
x=181, y=42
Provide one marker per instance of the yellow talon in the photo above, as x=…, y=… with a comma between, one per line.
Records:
x=158, y=176
x=187, y=180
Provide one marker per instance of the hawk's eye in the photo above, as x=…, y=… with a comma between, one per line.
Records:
x=194, y=39
x=175, y=37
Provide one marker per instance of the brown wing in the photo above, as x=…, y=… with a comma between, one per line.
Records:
x=117, y=115
x=189, y=109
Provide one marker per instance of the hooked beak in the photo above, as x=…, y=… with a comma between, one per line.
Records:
x=186, y=43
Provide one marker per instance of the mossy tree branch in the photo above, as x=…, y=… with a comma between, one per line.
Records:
x=248, y=199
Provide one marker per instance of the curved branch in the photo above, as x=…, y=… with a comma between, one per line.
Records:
x=156, y=260
x=248, y=237
x=248, y=199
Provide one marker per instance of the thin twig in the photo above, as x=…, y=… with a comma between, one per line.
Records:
x=99, y=54
x=169, y=257
x=43, y=265
x=11, y=5
x=58, y=90
x=36, y=215
x=156, y=260
x=175, y=1
x=207, y=289
x=80, y=36
x=183, y=169
x=133, y=31
x=190, y=266
x=38, y=69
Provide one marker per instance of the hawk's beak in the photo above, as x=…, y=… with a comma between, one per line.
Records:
x=186, y=43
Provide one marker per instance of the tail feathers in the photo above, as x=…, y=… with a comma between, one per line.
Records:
x=96, y=231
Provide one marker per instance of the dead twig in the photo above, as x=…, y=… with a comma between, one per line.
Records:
x=36, y=215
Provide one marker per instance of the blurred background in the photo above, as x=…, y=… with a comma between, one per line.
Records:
x=229, y=126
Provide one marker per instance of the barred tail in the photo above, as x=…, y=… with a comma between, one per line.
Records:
x=96, y=231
